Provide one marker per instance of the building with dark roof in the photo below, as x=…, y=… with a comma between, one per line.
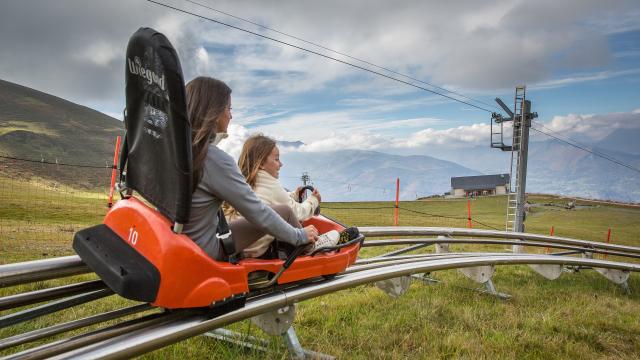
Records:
x=463, y=186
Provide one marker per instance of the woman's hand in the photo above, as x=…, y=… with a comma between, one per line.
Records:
x=316, y=193
x=312, y=233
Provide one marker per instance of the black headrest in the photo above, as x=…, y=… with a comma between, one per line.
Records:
x=158, y=139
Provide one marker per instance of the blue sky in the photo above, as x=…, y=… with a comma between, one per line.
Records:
x=579, y=59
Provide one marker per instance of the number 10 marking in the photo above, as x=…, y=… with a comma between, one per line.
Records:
x=133, y=236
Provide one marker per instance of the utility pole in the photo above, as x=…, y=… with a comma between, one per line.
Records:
x=305, y=178
x=521, y=117
x=521, y=174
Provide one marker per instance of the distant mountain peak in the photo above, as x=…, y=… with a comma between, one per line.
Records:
x=622, y=140
x=293, y=144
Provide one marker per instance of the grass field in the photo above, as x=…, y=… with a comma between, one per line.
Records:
x=580, y=315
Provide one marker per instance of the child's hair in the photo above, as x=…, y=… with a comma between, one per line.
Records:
x=254, y=153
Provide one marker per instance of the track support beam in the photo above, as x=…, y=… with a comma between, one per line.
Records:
x=274, y=323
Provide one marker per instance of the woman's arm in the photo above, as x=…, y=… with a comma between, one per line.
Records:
x=226, y=182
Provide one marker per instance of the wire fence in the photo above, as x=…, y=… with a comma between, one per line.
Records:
x=43, y=203
x=410, y=213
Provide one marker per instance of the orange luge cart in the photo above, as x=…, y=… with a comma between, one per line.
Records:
x=139, y=251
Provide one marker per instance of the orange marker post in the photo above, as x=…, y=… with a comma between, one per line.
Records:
x=608, y=240
x=548, y=249
x=469, y=225
x=113, y=171
x=395, y=211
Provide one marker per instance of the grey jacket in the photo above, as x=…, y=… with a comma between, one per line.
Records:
x=222, y=180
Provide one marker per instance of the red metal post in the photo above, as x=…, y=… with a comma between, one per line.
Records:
x=608, y=240
x=113, y=171
x=469, y=225
x=395, y=210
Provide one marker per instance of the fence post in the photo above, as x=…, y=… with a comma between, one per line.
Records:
x=548, y=249
x=395, y=210
x=608, y=240
x=113, y=171
x=469, y=225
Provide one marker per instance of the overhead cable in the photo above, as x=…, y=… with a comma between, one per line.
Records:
x=362, y=68
x=319, y=54
x=606, y=157
x=339, y=53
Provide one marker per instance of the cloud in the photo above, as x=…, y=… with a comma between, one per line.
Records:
x=238, y=134
x=587, y=127
x=592, y=127
x=475, y=134
x=75, y=50
x=100, y=53
x=580, y=78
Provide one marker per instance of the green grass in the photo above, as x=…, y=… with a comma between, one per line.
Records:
x=8, y=126
x=579, y=315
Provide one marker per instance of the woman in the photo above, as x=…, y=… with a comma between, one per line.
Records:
x=216, y=178
x=260, y=164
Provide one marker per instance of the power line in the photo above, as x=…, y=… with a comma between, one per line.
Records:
x=319, y=54
x=577, y=142
x=588, y=150
x=339, y=53
x=363, y=68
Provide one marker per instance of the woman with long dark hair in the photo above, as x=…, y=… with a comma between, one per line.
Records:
x=216, y=178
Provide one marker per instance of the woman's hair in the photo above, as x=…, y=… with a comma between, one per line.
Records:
x=207, y=100
x=254, y=153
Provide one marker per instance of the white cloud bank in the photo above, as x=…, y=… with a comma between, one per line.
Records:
x=76, y=49
x=320, y=137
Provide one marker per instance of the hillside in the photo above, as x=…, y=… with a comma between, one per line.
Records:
x=35, y=125
x=559, y=169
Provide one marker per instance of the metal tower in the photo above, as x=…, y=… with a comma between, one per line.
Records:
x=521, y=117
x=305, y=178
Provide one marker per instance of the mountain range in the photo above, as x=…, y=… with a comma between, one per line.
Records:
x=39, y=126
x=360, y=175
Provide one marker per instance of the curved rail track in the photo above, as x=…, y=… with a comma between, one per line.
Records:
x=155, y=328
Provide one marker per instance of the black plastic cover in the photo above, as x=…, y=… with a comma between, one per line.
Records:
x=158, y=138
x=121, y=267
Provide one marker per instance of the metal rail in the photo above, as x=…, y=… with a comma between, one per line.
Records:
x=33, y=297
x=434, y=231
x=38, y=270
x=422, y=242
x=69, y=344
x=29, y=314
x=150, y=332
x=71, y=325
x=147, y=339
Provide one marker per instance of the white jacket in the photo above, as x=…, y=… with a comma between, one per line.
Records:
x=271, y=192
